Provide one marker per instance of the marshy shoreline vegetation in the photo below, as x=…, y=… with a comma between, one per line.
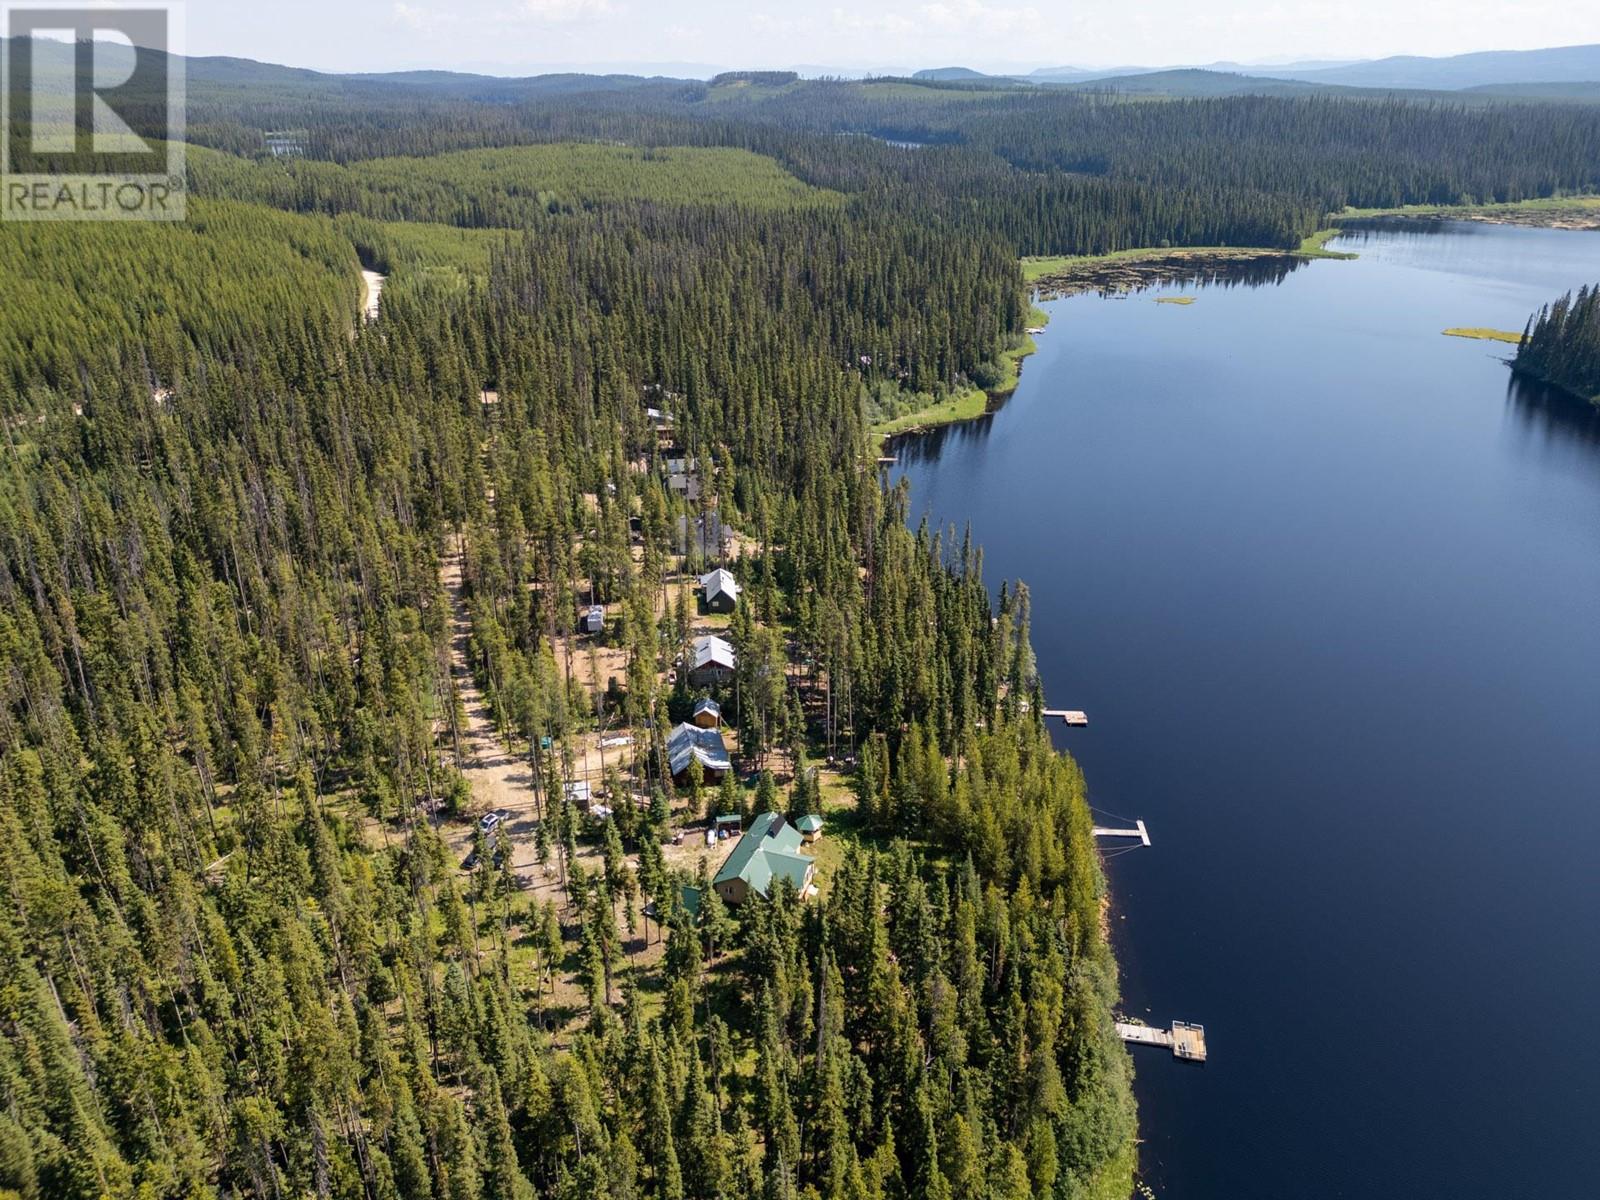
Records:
x=1483, y=334
x=1579, y=211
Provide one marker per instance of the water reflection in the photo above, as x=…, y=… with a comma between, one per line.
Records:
x=927, y=445
x=1551, y=417
x=1372, y=229
x=1118, y=280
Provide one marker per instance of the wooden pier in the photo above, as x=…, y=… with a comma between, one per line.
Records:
x=1186, y=1041
x=1070, y=715
x=1138, y=831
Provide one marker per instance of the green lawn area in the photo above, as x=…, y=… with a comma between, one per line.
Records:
x=1487, y=335
x=1183, y=300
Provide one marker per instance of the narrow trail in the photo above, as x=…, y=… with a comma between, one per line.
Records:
x=499, y=778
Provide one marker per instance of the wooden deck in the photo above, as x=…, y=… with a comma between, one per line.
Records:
x=1071, y=716
x=1139, y=831
x=1186, y=1041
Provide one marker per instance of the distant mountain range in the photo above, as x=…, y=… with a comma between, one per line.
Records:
x=1511, y=72
x=1561, y=64
x=1569, y=73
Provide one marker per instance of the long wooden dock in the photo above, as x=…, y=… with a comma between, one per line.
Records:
x=1071, y=716
x=1138, y=831
x=1186, y=1041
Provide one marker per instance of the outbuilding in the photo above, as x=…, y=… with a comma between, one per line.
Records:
x=810, y=827
x=721, y=590
x=594, y=618
x=707, y=713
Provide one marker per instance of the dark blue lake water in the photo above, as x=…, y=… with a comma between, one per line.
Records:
x=1328, y=586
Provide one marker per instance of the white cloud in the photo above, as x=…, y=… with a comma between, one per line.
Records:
x=565, y=12
x=978, y=18
x=972, y=21
x=847, y=21
x=420, y=19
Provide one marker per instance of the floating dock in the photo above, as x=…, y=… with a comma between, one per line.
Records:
x=1138, y=831
x=1070, y=715
x=1186, y=1041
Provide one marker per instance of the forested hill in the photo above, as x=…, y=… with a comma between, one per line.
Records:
x=1561, y=344
x=1054, y=173
x=290, y=600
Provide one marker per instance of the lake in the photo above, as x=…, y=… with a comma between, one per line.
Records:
x=1328, y=586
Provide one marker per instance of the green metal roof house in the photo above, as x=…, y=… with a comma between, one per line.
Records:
x=770, y=849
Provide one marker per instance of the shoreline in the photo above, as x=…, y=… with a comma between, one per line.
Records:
x=1557, y=212
x=1119, y=271
x=1124, y=271
x=973, y=402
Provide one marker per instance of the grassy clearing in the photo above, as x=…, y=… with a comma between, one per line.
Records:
x=905, y=89
x=418, y=248
x=1486, y=335
x=1553, y=210
x=963, y=406
x=577, y=174
x=1316, y=246
x=1183, y=300
x=509, y=187
x=748, y=90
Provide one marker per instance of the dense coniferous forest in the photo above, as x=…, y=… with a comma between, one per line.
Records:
x=289, y=599
x=1561, y=344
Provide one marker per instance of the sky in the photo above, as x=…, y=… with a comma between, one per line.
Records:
x=518, y=36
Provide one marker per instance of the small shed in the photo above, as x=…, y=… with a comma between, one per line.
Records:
x=594, y=618
x=810, y=827
x=721, y=590
x=729, y=825
x=578, y=793
x=707, y=713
